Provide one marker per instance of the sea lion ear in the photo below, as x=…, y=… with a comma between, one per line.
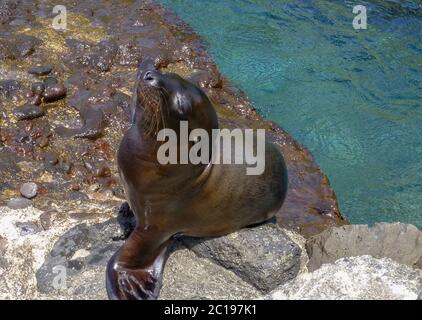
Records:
x=183, y=104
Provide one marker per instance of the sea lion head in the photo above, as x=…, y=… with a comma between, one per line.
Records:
x=162, y=100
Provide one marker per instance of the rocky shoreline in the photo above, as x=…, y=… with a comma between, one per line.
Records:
x=64, y=101
x=264, y=262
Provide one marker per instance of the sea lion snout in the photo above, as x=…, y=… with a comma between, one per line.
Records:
x=150, y=77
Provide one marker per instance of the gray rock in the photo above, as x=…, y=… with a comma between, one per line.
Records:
x=7, y=11
x=28, y=112
x=25, y=45
x=27, y=228
x=29, y=190
x=362, y=277
x=189, y=277
x=19, y=203
x=3, y=261
x=9, y=88
x=400, y=242
x=40, y=70
x=81, y=254
x=262, y=256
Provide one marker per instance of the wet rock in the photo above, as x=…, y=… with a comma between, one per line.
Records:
x=362, y=277
x=93, y=124
x=54, y=93
x=398, y=241
x=7, y=11
x=129, y=54
x=38, y=88
x=25, y=45
x=36, y=100
x=9, y=88
x=40, y=70
x=74, y=187
x=42, y=142
x=29, y=190
x=262, y=256
x=103, y=171
x=18, y=22
x=51, y=158
x=99, y=57
x=205, y=78
x=28, y=112
x=5, y=51
x=76, y=195
x=50, y=81
x=19, y=203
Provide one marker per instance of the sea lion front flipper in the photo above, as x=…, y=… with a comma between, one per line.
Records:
x=135, y=271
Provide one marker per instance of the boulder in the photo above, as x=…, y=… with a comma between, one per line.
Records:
x=187, y=276
x=241, y=265
x=398, y=241
x=263, y=256
x=350, y=278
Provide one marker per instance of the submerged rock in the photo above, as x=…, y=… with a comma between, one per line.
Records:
x=362, y=277
x=398, y=241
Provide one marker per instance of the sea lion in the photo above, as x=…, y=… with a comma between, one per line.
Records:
x=199, y=200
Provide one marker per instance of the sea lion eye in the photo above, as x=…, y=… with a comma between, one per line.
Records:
x=183, y=104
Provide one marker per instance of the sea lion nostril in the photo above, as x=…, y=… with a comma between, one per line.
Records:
x=148, y=76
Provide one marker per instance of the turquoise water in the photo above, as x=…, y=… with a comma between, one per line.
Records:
x=352, y=97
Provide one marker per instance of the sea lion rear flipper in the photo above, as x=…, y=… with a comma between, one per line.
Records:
x=131, y=277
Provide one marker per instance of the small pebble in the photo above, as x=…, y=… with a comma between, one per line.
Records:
x=38, y=88
x=103, y=171
x=42, y=142
x=66, y=166
x=74, y=187
x=27, y=228
x=108, y=193
x=19, y=203
x=50, y=81
x=40, y=70
x=29, y=190
x=28, y=112
x=18, y=22
x=51, y=159
x=36, y=100
x=94, y=187
x=54, y=93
